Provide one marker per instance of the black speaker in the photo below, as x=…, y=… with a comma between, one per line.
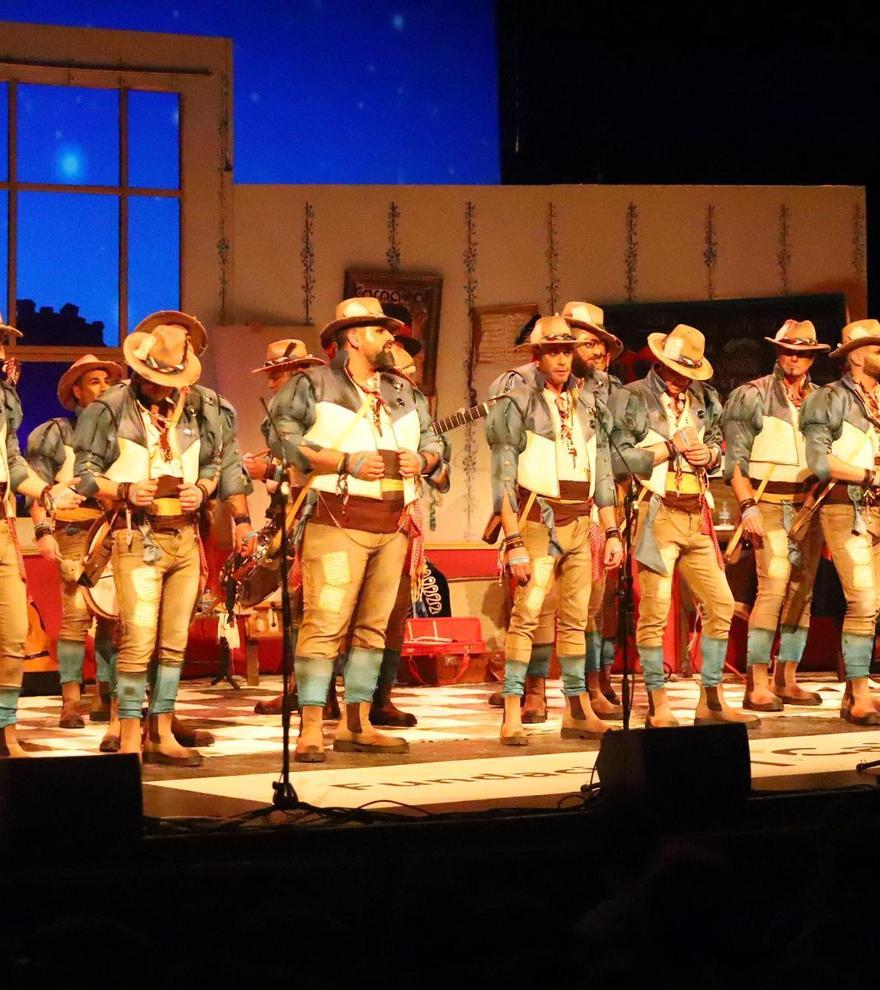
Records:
x=91, y=805
x=701, y=767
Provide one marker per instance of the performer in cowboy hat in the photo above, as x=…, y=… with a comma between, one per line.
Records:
x=841, y=423
x=16, y=477
x=143, y=446
x=50, y=454
x=549, y=463
x=667, y=433
x=766, y=466
x=366, y=437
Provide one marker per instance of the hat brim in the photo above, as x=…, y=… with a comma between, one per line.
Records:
x=189, y=375
x=6, y=330
x=817, y=347
x=306, y=362
x=332, y=328
x=613, y=344
x=701, y=374
x=853, y=345
x=198, y=335
x=73, y=374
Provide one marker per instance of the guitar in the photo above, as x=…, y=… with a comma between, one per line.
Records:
x=465, y=416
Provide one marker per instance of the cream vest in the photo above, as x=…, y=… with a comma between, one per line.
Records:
x=544, y=462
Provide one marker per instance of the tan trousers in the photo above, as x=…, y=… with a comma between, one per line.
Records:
x=13, y=613
x=570, y=576
x=857, y=561
x=156, y=601
x=351, y=580
x=682, y=545
x=76, y=619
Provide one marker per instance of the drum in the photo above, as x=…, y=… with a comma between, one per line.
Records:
x=255, y=577
x=101, y=597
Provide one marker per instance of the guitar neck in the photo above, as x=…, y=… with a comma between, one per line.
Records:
x=464, y=417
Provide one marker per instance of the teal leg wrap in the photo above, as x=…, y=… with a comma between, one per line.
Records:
x=105, y=655
x=361, y=674
x=388, y=670
x=71, y=654
x=609, y=652
x=313, y=680
x=573, y=681
x=792, y=643
x=514, y=677
x=539, y=661
x=714, y=651
x=130, y=691
x=760, y=644
x=651, y=659
x=164, y=692
x=593, y=641
x=8, y=706
x=857, y=653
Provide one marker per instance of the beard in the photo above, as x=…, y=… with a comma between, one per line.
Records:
x=383, y=360
x=580, y=368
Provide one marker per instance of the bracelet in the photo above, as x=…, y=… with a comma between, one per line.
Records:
x=46, y=501
x=342, y=464
x=122, y=491
x=517, y=560
x=423, y=460
x=42, y=529
x=670, y=447
x=203, y=488
x=613, y=533
x=747, y=503
x=868, y=478
x=241, y=518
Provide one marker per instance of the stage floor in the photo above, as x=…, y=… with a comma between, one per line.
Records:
x=455, y=761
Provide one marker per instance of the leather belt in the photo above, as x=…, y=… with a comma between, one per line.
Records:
x=784, y=487
x=683, y=502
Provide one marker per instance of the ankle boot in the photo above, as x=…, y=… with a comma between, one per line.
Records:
x=111, y=742
x=790, y=693
x=606, y=687
x=602, y=707
x=759, y=706
x=658, y=702
x=130, y=736
x=272, y=706
x=187, y=735
x=534, y=707
x=70, y=717
x=870, y=718
x=496, y=700
x=355, y=733
x=100, y=709
x=712, y=708
x=512, y=731
x=384, y=712
x=310, y=744
x=579, y=721
x=161, y=747
x=10, y=748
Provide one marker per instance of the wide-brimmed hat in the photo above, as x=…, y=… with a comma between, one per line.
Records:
x=198, y=335
x=360, y=311
x=586, y=316
x=798, y=335
x=6, y=330
x=857, y=334
x=86, y=363
x=684, y=350
x=547, y=331
x=289, y=353
x=164, y=356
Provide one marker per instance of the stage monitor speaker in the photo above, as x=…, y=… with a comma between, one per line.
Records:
x=699, y=767
x=55, y=805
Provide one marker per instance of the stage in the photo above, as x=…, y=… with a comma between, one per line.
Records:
x=455, y=761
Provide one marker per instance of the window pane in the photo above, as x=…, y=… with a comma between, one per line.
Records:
x=68, y=135
x=153, y=256
x=153, y=140
x=4, y=132
x=37, y=387
x=68, y=268
x=4, y=259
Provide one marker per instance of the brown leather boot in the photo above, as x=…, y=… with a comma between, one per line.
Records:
x=534, y=707
x=863, y=713
x=272, y=706
x=659, y=711
x=579, y=721
x=786, y=689
x=111, y=741
x=10, y=748
x=712, y=708
x=355, y=733
x=70, y=717
x=310, y=744
x=496, y=700
x=606, y=686
x=187, y=735
x=602, y=707
x=161, y=747
x=758, y=697
x=384, y=712
x=100, y=709
x=130, y=736
x=512, y=731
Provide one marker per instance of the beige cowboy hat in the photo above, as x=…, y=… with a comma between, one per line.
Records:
x=586, y=316
x=88, y=362
x=857, y=334
x=8, y=331
x=683, y=349
x=164, y=356
x=287, y=353
x=361, y=311
x=798, y=335
x=195, y=330
x=549, y=330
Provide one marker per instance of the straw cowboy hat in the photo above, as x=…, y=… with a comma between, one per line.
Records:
x=586, y=316
x=8, y=331
x=88, y=362
x=549, y=331
x=164, y=356
x=361, y=311
x=198, y=335
x=683, y=350
x=287, y=353
x=857, y=334
x=798, y=335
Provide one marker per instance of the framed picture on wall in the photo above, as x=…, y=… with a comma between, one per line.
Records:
x=414, y=299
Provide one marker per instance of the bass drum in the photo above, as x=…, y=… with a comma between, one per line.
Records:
x=101, y=599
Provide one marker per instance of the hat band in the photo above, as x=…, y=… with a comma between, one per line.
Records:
x=686, y=361
x=796, y=340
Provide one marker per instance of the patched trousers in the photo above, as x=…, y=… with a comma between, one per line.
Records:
x=13, y=626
